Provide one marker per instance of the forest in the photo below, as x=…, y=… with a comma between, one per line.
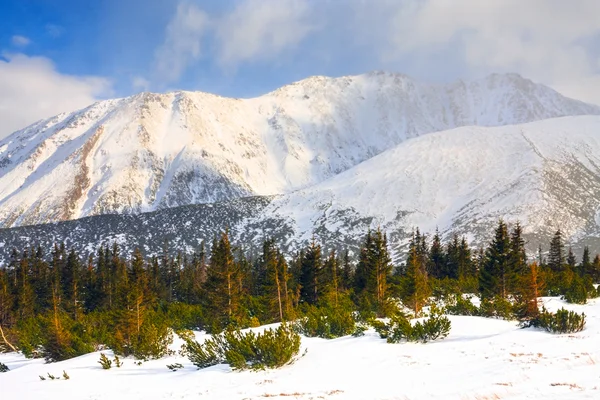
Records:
x=56, y=305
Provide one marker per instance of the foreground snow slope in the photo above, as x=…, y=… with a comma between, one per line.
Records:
x=481, y=359
x=153, y=151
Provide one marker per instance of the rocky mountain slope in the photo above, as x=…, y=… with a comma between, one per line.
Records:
x=545, y=174
x=154, y=151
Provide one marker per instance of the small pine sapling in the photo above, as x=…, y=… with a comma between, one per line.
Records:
x=42, y=378
x=66, y=377
x=118, y=362
x=174, y=367
x=104, y=361
x=52, y=377
x=3, y=368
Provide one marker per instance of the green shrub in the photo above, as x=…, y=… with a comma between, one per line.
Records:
x=436, y=326
x=326, y=322
x=270, y=349
x=458, y=305
x=563, y=321
x=105, y=362
x=577, y=292
x=498, y=307
x=152, y=342
x=203, y=355
x=174, y=367
x=3, y=368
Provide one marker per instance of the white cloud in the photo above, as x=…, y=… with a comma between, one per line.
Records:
x=20, y=41
x=182, y=41
x=262, y=30
x=140, y=83
x=32, y=89
x=541, y=39
x=253, y=30
x=544, y=40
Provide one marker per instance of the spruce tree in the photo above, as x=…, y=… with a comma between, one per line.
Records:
x=222, y=298
x=416, y=288
x=571, y=261
x=518, y=259
x=437, y=261
x=556, y=256
x=310, y=274
x=586, y=266
x=494, y=278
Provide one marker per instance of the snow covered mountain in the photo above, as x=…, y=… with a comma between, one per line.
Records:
x=154, y=151
x=545, y=174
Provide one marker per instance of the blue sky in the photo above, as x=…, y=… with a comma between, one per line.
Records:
x=59, y=55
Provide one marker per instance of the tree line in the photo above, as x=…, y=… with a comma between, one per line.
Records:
x=58, y=305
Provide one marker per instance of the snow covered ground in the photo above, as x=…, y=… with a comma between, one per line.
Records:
x=480, y=359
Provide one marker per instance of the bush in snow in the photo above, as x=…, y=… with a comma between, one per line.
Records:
x=3, y=368
x=497, y=307
x=203, y=355
x=326, y=322
x=272, y=348
x=458, y=305
x=563, y=321
x=579, y=290
x=436, y=326
x=105, y=361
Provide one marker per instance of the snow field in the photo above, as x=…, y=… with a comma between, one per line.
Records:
x=480, y=359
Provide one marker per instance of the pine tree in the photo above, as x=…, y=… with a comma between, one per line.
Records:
x=556, y=257
x=222, y=299
x=373, y=270
x=138, y=288
x=347, y=276
x=494, y=278
x=24, y=290
x=416, y=289
x=586, y=266
x=273, y=281
x=310, y=274
x=437, y=261
x=571, y=261
x=518, y=259
x=466, y=266
x=531, y=289
x=70, y=284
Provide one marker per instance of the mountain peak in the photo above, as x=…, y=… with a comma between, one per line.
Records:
x=153, y=151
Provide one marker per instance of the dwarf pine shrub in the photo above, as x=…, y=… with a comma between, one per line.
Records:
x=399, y=329
x=563, y=321
x=272, y=348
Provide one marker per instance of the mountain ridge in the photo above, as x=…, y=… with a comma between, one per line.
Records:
x=544, y=174
x=155, y=151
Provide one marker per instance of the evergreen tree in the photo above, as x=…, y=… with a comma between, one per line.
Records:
x=310, y=274
x=70, y=284
x=222, y=299
x=347, y=275
x=494, y=278
x=437, y=261
x=416, y=289
x=571, y=261
x=556, y=257
x=586, y=266
x=518, y=259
